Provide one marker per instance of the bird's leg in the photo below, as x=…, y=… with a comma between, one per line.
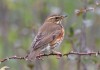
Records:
x=39, y=56
x=58, y=54
x=42, y=53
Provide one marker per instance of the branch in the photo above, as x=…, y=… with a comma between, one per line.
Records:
x=75, y=53
x=12, y=57
x=51, y=54
x=84, y=10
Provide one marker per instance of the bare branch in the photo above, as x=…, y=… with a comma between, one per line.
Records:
x=51, y=54
x=84, y=10
x=12, y=57
x=75, y=53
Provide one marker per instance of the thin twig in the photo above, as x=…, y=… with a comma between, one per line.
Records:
x=84, y=10
x=51, y=54
x=12, y=57
x=75, y=53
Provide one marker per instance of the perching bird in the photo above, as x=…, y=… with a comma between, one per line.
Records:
x=50, y=35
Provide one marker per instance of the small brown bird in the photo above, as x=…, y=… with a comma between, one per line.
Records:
x=49, y=36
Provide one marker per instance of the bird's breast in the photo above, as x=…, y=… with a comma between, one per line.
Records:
x=61, y=35
x=59, y=38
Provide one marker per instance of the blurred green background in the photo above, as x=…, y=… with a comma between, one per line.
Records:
x=19, y=23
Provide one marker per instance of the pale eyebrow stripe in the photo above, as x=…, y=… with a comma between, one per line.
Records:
x=51, y=17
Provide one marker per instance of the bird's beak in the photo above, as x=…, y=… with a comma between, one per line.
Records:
x=65, y=16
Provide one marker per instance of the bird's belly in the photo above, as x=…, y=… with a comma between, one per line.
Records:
x=56, y=45
x=49, y=47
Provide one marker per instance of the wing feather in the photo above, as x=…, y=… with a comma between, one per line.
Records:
x=42, y=40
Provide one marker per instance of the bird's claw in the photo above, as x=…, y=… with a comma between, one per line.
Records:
x=39, y=57
x=58, y=54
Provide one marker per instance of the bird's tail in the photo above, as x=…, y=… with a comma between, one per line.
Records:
x=32, y=55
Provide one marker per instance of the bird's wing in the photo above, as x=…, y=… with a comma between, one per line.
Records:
x=38, y=37
x=42, y=40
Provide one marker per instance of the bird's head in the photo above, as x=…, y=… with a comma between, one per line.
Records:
x=56, y=19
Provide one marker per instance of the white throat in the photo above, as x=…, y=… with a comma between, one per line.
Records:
x=59, y=22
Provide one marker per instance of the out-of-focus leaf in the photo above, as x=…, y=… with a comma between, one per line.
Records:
x=4, y=68
x=1, y=47
x=71, y=31
x=66, y=47
x=12, y=36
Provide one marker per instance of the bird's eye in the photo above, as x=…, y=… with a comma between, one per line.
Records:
x=57, y=18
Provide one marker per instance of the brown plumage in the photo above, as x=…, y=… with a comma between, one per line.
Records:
x=50, y=34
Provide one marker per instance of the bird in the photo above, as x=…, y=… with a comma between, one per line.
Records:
x=49, y=36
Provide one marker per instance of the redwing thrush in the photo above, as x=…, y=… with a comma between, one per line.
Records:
x=50, y=35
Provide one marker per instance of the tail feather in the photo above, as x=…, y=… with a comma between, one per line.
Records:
x=32, y=55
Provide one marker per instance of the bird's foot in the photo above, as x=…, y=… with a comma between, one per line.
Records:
x=40, y=56
x=58, y=54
